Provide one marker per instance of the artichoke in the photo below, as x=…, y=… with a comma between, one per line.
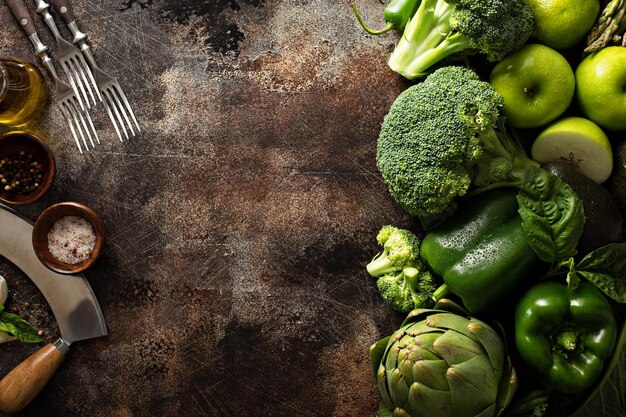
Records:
x=443, y=364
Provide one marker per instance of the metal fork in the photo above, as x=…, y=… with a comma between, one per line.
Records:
x=116, y=104
x=78, y=120
x=71, y=60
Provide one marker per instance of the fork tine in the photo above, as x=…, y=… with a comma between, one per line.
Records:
x=87, y=129
x=107, y=106
x=68, y=119
x=75, y=81
x=127, y=105
x=80, y=65
x=74, y=113
x=107, y=95
x=122, y=109
x=93, y=128
x=84, y=65
x=72, y=84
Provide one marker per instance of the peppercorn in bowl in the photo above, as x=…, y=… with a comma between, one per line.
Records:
x=27, y=168
x=68, y=237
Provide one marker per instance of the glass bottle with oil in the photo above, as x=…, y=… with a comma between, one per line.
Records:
x=23, y=92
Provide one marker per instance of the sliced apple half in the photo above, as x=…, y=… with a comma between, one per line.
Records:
x=577, y=141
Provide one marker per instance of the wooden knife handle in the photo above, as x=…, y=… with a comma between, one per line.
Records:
x=22, y=15
x=20, y=386
x=64, y=8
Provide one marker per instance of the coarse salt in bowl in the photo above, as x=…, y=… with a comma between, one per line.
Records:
x=68, y=237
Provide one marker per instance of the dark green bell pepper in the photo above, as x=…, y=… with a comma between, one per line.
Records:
x=481, y=252
x=565, y=335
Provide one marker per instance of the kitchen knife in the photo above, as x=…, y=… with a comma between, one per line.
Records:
x=73, y=304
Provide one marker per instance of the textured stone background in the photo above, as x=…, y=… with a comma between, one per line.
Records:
x=238, y=223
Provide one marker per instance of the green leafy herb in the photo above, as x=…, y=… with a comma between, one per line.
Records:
x=552, y=215
x=606, y=269
x=18, y=327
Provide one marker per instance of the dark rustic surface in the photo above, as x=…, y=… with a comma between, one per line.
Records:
x=238, y=223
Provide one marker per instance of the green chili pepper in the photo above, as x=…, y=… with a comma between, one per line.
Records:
x=397, y=14
x=564, y=335
x=481, y=251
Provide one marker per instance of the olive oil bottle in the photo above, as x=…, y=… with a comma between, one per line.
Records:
x=23, y=92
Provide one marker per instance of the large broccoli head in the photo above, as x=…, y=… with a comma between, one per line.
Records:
x=430, y=139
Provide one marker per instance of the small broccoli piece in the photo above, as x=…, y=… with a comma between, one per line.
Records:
x=397, y=290
x=401, y=249
x=443, y=28
x=403, y=281
x=442, y=136
x=408, y=289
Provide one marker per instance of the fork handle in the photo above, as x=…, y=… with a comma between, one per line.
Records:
x=22, y=15
x=64, y=8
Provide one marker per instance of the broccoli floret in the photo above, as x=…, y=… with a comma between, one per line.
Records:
x=407, y=289
x=403, y=280
x=400, y=250
x=427, y=284
x=440, y=137
x=440, y=29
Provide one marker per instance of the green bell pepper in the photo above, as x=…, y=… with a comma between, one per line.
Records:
x=481, y=252
x=565, y=335
x=397, y=14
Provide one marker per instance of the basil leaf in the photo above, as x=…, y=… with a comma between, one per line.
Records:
x=552, y=215
x=606, y=269
x=18, y=327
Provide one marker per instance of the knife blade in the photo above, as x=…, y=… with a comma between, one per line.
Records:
x=71, y=299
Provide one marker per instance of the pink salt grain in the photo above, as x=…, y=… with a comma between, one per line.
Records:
x=71, y=239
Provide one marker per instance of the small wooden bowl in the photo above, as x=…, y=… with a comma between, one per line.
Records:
x=45, y=222
x=12, y=143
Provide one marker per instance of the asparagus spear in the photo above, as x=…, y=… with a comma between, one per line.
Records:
x=609, y=27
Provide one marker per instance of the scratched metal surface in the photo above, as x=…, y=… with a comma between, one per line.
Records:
x=238, y=223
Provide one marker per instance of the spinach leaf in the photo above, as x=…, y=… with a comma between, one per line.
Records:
x=18, y=327
x=552, y=215
x=606, y=269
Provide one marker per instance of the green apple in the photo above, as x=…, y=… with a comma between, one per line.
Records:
x=537, y=84
x=601, y=87
x=561, y=24
x=577, y=141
